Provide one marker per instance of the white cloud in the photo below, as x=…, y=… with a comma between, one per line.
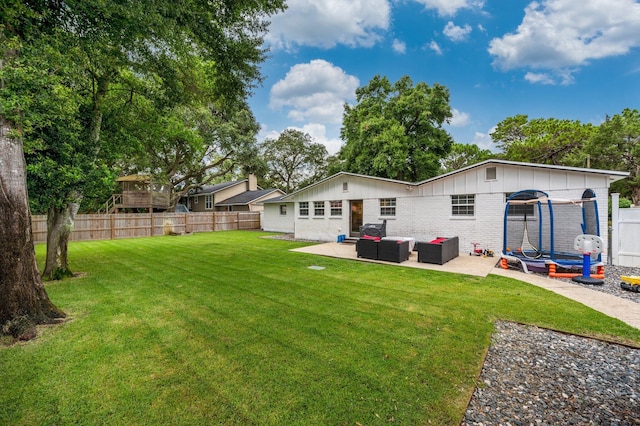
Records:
x=484, y=141
x=451, y=7
x=435, y=47
x=319, y=134
x=459, y=119
x=563, y=34
x=540, y=78
x=456, y=33
x=315, y=92
x=399, y=46
x=563, y=77
x=328, y=23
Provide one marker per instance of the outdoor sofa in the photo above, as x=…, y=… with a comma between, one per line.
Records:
x=438, y=251
x=390, y=250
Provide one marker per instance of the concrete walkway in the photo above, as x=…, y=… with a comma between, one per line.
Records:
x=625, y=310
x=616, y=307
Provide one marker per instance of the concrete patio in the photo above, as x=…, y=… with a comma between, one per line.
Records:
x=464, y=264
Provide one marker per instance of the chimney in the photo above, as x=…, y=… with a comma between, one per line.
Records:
x=252, y=183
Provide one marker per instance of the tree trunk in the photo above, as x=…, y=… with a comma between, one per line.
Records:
x=23, y=298
x=635, y=195
x=60, y=223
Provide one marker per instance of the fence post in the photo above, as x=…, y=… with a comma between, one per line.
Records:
x=112, y=222
x=615, y=228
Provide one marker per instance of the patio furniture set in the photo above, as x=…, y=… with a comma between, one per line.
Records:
x=376, y=245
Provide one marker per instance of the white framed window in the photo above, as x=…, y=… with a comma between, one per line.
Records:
x=283, y=209
x=318, y=208
x=303, y=208
x=345, y=186
x=490, y=173
x=336, y=208
x=208, y=201
x=463, y=205
x=387, y=206
x=519, y=210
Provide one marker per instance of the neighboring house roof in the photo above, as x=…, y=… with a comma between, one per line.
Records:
x=210, y=189
x=276, y=200
x=247, y=197
x=615, y=175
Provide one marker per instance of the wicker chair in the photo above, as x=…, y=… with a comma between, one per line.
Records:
x=367, y=248
x=393, y=251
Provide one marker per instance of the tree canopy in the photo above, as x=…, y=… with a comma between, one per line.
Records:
x=395, y=130
x=293, y=160
x=463, y=155
x=616, y=145
x=542, y=140
x=59, y=63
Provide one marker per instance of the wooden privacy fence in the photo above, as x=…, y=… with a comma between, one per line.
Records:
x=132, y=225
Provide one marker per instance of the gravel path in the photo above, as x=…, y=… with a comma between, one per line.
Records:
x=534, y=376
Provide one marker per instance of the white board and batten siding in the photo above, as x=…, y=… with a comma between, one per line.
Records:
x=424, y=209
x=278, y=216
x=343, y=187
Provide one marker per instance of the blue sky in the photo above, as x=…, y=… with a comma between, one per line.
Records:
x=566, y=59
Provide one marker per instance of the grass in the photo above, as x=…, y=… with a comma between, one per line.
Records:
x=230, y=328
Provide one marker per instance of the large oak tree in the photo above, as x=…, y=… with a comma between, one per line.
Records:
x=105, y=40
x=293, y=160
x=396, y=130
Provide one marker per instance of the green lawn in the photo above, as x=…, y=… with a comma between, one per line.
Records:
x=231, y=328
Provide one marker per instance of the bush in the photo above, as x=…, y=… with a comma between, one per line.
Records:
x=624, y=203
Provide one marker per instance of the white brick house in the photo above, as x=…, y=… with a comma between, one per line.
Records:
x=468, y=203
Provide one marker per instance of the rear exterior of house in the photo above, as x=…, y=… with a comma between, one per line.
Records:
x=468, y=203
x=278, y=215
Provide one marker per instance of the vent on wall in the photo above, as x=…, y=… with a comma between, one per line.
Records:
x=490, y=173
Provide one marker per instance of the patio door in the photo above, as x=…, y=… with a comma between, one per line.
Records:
x=356, y=217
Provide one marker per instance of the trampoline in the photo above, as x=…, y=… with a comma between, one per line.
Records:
x=539, y=232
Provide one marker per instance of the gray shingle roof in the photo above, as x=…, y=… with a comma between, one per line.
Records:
x=210, y=189
x=246, y=197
